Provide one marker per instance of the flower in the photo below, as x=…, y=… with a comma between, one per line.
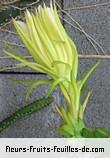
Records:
x=48, y=42
x=55, y=54
x=52, y=50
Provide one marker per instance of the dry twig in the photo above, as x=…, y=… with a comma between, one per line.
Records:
x=87, y=6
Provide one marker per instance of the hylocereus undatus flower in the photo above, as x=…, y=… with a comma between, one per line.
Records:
x=55, y=54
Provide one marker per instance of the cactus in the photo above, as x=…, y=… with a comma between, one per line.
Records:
x=26, y=110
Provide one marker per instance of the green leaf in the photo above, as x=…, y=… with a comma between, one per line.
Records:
x=65, y=93
x=35, y=84
x=64, y=115
x=85, y=86
x=86, y=100
x=32, y=65
x=95, y=133
x=71, y=119
x=87, y=133
x=82, y=82
x=67, y=129
x=54, y=84
x=102, y=133
x=63, y=133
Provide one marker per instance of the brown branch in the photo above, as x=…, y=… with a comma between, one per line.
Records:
x=28, y=5
x=84, y=56
x=80, y=28
x=87, y=6
x=80, y=55
x=8, y=31
x=8, y=3
x=11, y=43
